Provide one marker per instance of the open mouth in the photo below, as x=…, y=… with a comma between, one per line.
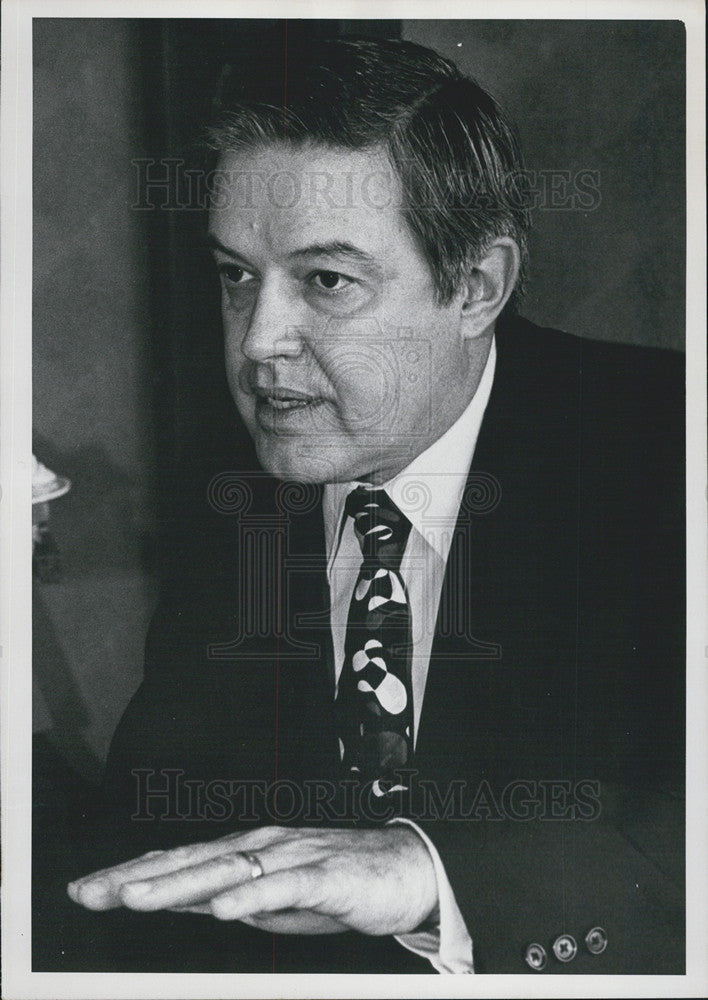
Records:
x=286, y=399
x=282, y=402
x=286, y=402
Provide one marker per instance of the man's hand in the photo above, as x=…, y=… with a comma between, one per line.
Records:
x=314, y=881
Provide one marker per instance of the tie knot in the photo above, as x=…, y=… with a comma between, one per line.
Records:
x=381, y=528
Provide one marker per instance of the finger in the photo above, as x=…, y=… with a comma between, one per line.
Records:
x=106, y=877
x=290, y=888
x=195, y=884
x=198, y=883
x=100, y=890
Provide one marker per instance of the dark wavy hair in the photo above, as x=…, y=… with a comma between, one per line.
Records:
x=457, y=159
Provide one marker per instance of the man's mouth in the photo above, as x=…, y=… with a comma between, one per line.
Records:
x=286, y=402
x=283, y=400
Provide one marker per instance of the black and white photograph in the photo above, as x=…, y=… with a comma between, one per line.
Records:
x=354, y=494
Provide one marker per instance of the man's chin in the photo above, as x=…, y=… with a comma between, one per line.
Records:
x=283, y=459
x=302, y=467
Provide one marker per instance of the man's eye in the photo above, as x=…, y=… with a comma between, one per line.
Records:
x=330, y=281
x=234, y=275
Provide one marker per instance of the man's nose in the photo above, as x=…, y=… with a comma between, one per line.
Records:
x=273, y=327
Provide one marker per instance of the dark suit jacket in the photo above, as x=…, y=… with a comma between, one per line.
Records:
x=550, y=750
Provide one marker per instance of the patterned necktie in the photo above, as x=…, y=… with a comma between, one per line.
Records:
x=373, y=705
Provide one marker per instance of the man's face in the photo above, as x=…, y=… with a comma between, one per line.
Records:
x=340, y=360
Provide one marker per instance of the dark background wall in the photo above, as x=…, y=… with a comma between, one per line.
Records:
x=92, y=376
x=603, y=96
x=128, y=388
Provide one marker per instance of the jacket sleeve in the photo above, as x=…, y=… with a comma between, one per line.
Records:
x=539, y=881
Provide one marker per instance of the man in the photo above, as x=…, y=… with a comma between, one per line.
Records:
x=461, y=656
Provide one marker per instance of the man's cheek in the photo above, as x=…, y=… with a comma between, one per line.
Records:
x=366, y=396
x=246, y=406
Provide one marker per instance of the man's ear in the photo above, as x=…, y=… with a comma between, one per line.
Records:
x=489, y=284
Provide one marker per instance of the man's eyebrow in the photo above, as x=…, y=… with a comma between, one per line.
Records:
x=335, y=248
x=214, y=244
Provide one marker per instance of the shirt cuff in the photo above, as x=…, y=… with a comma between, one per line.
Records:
x=448, y=946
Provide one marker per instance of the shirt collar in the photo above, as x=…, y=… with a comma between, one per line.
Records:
x=429, y=490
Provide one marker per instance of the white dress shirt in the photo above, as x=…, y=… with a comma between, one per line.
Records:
x=429, y=492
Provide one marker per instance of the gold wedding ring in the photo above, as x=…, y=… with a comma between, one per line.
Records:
x=254, y=862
